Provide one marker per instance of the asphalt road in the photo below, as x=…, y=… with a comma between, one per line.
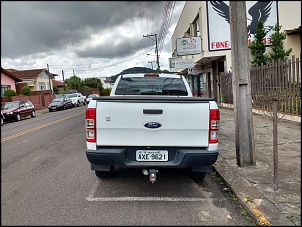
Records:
x=46, y=180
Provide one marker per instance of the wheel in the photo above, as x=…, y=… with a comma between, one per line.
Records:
x=18, y=117
x=33, y=113
x=78, y=104
x=105, y=174
x=64, y=107
x=196, y=175
x=85, y=102
x=2, y=122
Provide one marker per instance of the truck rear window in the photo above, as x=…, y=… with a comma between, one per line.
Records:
x=151, y=86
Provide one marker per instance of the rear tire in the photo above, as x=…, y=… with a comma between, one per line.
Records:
x=196, y=175
x=105, y=174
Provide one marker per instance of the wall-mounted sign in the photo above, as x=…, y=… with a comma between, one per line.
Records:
x=194, y=71
x=188, y=46
x=219, y=34
x=183, y=63
x=172, y=63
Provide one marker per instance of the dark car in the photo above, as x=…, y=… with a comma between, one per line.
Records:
x=90, y=97
x=2, y=118
x=60, y=103
x=18, y=109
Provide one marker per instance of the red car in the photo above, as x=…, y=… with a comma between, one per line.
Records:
x=18, y=109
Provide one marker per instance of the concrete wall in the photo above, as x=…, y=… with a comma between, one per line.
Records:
x=40, y=101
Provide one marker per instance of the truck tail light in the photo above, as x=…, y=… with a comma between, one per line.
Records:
x=214, y=126
x=90, y=125
x=151, y=74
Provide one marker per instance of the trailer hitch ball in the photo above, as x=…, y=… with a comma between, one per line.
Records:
x=152, y=175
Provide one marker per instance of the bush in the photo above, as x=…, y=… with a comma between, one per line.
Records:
x=26, y=91
x=9, y=93
x=106, y=92
x=55, y=89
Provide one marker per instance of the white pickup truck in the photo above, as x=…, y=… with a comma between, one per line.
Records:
x=151, y=122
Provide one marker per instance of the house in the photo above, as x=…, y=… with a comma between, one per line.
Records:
x=60, y=85
x=207, y=23
x=36, y=79
x=8, y=81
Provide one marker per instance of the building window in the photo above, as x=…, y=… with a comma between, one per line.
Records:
x=196, y=26
x=42, y=86
x=3, y=88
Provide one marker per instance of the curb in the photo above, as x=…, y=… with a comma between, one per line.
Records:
x=261, y=209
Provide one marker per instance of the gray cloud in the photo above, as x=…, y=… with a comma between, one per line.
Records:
x=32, y=29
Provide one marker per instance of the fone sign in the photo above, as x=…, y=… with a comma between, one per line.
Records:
x=188, y=46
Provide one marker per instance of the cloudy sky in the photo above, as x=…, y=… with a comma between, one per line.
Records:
x=87, y=38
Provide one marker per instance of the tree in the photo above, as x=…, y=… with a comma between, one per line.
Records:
x=73, y=82
x=26, y=91
x=278, y=51
x=257, y=46
x=93, y=83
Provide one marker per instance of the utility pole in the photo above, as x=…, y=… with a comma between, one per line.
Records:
x=63, y=80
x=156, y=48
x=151, y=63
x=49, y=78
x=244, y=129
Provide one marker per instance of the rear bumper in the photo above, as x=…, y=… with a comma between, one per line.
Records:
x=126, y=157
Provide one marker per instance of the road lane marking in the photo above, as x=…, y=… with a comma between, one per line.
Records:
x=91, y=198
x=37, y=128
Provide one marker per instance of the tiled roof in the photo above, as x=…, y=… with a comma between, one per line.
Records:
x=8, y=73
x=26, y=73
x=57, y=83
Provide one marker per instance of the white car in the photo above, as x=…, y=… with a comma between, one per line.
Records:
x=90, y=97
x=77, y=99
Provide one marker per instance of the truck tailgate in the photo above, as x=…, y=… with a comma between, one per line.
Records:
x=181, y=123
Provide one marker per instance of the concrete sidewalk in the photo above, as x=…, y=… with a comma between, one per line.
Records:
x=254, y=185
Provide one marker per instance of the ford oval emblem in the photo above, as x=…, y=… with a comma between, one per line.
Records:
x=152, y=125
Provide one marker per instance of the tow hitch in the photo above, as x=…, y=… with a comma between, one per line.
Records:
x=151, y=173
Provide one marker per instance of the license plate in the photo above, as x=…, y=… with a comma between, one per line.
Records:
x=53, y=107
x=152, y=155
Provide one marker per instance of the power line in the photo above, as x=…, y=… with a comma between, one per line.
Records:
x=119, y=62
x=168, y=12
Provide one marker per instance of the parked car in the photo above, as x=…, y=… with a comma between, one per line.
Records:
x=90, y=97
x=60, y=103
x=201, y=89
x=2, y=118
x=77, y=99
x=18, y=109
